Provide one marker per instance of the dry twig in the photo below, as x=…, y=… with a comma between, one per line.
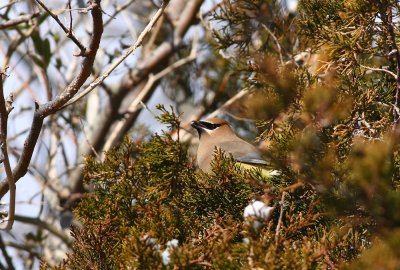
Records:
x=5, y=109
x=278, y=226
x=380, y=69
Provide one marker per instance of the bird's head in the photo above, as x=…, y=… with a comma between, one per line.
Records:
x=211, y=126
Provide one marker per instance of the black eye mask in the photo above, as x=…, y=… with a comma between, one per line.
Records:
x=209, y=126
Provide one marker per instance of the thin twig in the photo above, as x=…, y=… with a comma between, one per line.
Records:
x=118, y=10
x=13, y=45
x=70, y=17
x=229, y=102
x=329, y=261
x=131, y=49
x=278, y=226
x=67, y=31
x=276, y=41
x=10, y=4
x=6, y=257
x=380, y=69
x=87, y=139
x=395, y=49
x=5, y=109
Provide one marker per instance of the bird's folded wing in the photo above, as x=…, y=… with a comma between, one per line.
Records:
x=248, y=157
x=243, y=152
x=252, y=159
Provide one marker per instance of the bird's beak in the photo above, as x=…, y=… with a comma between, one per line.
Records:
x=198, y=126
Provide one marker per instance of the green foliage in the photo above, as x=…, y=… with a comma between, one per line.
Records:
x=43, y=50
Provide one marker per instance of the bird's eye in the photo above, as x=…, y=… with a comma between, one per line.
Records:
x=209, y=126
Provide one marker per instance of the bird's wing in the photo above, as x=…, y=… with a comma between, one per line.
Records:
x=243, y=152
x=252, y=159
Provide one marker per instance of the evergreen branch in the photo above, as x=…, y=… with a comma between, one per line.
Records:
x=329, y=261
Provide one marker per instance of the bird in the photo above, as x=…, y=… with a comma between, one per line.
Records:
x=217, y=133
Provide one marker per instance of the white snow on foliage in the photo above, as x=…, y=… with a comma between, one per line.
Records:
x=166, y=255
x=257, y=212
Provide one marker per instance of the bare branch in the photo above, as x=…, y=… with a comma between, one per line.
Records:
x=186, y=20
x=5, y=109
x=70, y=17
x=44, y=225
x=131, y=49
x=18, y=20
x=67, y=31
x=229, y=102
x=15, y=43
x=278, y=226
x=6, y=257
x=25, y=247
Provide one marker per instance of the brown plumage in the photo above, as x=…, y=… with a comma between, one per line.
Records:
x=216, y=132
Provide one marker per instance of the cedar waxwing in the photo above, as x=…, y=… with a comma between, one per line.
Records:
x=216, y=132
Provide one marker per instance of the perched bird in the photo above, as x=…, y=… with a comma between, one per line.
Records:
x=216, y=132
